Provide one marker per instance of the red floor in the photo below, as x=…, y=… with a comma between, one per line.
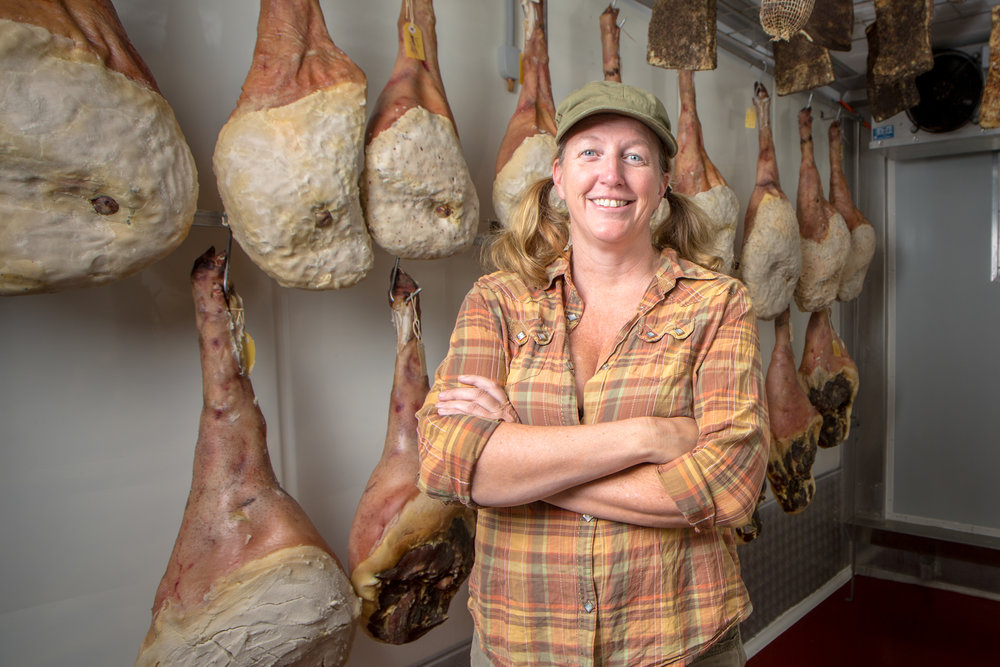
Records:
x=888, y=624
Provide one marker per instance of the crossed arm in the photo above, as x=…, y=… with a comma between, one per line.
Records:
x=607, y=470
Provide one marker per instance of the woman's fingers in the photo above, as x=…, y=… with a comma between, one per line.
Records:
x=482, y=397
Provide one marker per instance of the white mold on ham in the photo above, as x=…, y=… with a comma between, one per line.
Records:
x=97, y=181
x=862, y=247
x=288, y=159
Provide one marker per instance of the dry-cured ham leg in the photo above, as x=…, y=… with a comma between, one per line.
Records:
x=610, y=51
x=862, y=250
x=831, y=377
x=795, y=425
x=419, y=199
x=529, y=143
x=250, y=580
x=826, y=241
x=287, y=160
x=771, y=255
x=696, y=176
x=682, y=35
x=408, y=553
x=97, y=181
x=989, y=108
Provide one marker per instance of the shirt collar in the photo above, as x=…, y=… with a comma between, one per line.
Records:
x=671, y=268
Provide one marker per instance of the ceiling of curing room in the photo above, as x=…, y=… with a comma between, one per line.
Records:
x=957, y=23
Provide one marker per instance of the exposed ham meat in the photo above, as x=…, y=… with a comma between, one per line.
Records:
x=771, y=254
x=695, y=175
x=250, y=580
x=862, y=248
x=418, y=196
x=610, y=52
x=407, y=554
x=795, y=425
x=826, y=240
x=831, y=377
x=528, y=146
x=97, y=181
x=287, y=160
x=989, y=108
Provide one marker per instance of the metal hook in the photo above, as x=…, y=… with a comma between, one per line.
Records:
x=809, y=103
x=392, y=279
x=621, y=22
x=413, y=294
x=229, y=250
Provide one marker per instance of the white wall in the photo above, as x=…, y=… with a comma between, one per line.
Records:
x=101, y=387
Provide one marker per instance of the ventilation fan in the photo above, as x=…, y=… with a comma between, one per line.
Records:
x=949, y=93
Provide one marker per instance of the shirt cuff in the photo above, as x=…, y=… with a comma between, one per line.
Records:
x=685, y=484
x=449, y=455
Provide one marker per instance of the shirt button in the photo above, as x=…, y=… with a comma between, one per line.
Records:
x=605, y=367
x=588, y=518
x=571, y=317
x=589, y=607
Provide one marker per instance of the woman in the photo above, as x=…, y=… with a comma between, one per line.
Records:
x=602, y=405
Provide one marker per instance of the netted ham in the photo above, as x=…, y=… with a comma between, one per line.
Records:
x=250, y=581
x=795, y=425
x=682, y=35
x=862, y=248
x=696, y=176
x=989, y=108
x=419, y=199
x=97, y=181
x=408, y=553
x=826, y=241
x=287, y=160
x=831, y=377
x=529, y=143
x=771, y=255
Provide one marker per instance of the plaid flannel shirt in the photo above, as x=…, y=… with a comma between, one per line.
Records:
x=553, y=587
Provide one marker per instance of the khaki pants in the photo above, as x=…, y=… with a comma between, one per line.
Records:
x=727, y=652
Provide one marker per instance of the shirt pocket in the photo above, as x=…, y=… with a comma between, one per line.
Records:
x=659, y=360
x=529, y=342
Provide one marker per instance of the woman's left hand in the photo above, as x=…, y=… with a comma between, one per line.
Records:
x=482, y=397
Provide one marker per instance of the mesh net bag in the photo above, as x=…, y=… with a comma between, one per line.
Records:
x=783, y=19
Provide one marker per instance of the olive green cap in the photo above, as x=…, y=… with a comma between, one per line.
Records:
x=620, y=98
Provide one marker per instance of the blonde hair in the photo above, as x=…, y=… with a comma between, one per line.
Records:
x=537, y=232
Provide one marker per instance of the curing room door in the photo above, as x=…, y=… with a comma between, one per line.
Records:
x=944, y=445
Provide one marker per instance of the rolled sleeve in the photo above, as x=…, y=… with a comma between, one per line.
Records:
x=718, y=482
x=450, y=446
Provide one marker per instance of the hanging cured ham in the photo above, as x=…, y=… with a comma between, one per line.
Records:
x=250, y=581
x=610, y=51
x=771, y=254
x=287, y=160
x=831, y=377
x=826, y=241
x=408, y=553
x=862, y=247
x=989, y=108
x=696, y=176
x=795, y=425
x=96, y=178
x=682, y=35
x=529, y=144
x=419, y=199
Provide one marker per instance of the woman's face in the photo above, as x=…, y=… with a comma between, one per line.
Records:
x=611, y=179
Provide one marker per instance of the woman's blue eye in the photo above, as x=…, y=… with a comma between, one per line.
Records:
x=588, y=152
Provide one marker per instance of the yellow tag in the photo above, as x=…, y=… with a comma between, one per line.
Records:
x=751, y=118
x=249, y=352
x=520, y=69
x=413, y=40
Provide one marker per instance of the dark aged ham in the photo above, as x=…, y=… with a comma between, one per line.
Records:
x=96, y=179
x=795, y=425
x=250, y=581
x=749, y=532
x=407, y=554
x=610, y=52
x=826, y=240
x=771, y=255
x=887, y=97
x=989, y=108
x=529, y=143
x=287, y=159
x=419, y=199
x=831, y=377
x=682, y=35
x=862, y=249
x=831, y=24
x=800, y=65
x=904, y=38
x=696, y=176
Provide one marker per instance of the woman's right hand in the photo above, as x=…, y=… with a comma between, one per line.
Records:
x=670, y=438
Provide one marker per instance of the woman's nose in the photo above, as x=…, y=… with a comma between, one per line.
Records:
x=611, y=170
